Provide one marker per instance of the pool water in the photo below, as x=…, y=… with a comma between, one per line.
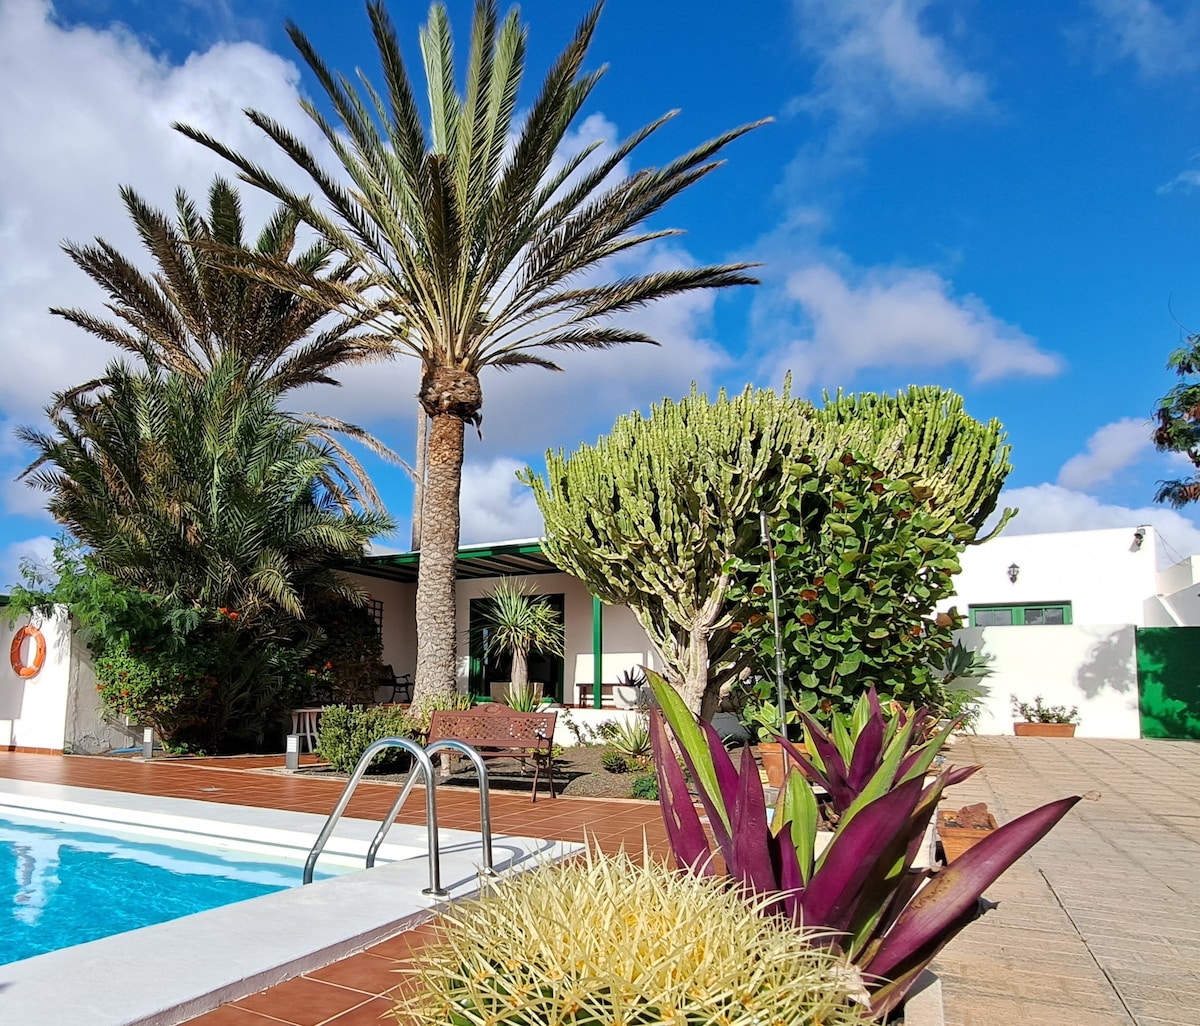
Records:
x=60, y=887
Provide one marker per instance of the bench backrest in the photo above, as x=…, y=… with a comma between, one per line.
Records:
x=494, y=728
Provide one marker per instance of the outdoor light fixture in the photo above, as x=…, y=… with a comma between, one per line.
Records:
x=1014, y=572
x=1139, y=536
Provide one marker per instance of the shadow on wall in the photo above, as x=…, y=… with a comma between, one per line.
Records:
x=1107, y=665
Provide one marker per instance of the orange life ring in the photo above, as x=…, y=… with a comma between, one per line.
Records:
x=20, y=668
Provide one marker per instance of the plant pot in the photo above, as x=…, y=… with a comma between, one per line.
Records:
x=1044, y=729
x=962, y=830
x=770, y=754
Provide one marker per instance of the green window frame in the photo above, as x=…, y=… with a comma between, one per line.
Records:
x=1027, y=614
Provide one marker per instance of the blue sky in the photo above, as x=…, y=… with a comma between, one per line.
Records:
x=997, y=198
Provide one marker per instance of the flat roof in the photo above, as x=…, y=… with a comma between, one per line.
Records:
x=503, y=559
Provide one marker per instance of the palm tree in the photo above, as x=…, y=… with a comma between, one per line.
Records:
x=487, y=243
x=199, y=491
x=200, y=307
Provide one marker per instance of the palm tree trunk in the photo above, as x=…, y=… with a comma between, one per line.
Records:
x=419, y=481
x=436, y=604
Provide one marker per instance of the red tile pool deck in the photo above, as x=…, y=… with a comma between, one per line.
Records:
x=354, y=991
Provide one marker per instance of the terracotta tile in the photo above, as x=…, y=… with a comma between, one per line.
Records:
x=231, y=1015
x=369, y=973
x=373, y=1013
x=303, y=1001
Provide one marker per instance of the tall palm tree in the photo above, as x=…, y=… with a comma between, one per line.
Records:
x=487, y=243
x=199, y=307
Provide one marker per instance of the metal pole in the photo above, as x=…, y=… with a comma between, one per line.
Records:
x=766, y=540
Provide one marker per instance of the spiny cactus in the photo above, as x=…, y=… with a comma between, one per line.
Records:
x=601, y=941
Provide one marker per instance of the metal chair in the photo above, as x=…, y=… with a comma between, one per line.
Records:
x=400, y=683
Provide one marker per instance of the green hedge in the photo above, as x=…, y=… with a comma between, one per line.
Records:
x=347, y=731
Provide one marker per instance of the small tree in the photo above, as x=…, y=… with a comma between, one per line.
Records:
x=861, y=560
x=1178, y=424
x=650, y=516
x=517, y=622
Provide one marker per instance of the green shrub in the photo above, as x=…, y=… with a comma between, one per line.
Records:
x=614, y=761
x=645, y=786
x=347, y=731
x=600, y=940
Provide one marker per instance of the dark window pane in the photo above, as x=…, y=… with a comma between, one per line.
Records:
x=1035, y=617
x=1054, y=614
x=993, y=617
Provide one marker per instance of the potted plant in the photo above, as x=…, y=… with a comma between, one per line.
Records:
x=515, y=623
x=764, y=722
x=1036, y=719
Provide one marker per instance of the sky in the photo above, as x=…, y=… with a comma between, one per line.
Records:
x=1001, y=199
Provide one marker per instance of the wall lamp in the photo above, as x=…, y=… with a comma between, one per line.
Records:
x=1139, y=536
x=1014, y=572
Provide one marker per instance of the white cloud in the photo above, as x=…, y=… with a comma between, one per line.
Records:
x=1185, y=181
x=86, y=111
x=1111, y=448
x=36, y=550
x=897, y=317
x=1158, y=41
x=878, y=57
x=495, y=506
x=1048, y=507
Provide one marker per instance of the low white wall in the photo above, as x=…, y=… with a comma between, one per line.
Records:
x=33, y=709
x=587, y=719
x=1092, y=666
x=58, y=708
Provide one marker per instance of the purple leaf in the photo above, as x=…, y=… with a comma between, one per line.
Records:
x=952, y=893
x=688, y=840
x=858, y=845
x=868, y=753
x=807, y=767
x=831, y=759
x=749, y=858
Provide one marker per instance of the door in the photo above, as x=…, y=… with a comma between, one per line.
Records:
x=545, y=668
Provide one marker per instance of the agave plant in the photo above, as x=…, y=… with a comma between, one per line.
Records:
x=890, y=918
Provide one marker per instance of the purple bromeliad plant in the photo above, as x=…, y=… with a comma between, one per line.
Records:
x=888, y=918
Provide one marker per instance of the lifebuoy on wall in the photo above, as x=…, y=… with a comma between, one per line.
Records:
x=16, y=657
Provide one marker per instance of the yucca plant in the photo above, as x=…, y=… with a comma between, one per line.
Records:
x=889, y=919
x=516, y=622
x=631, y=738
x=605, y=939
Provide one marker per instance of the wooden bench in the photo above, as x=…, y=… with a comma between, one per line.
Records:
x=497, y=732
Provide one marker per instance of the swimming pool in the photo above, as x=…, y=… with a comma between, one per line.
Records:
x=175, y=970
x=62, y=886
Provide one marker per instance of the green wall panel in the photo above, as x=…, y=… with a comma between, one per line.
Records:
x=1168, y=669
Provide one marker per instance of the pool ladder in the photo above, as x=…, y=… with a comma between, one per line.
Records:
x=422, y=766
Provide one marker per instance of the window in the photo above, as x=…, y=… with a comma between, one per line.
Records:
x=375, y=607
x=1046, y=615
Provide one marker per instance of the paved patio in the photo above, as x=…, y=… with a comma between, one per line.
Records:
x=1100, y=924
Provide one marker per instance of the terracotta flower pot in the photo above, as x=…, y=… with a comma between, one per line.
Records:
x=770, y=753
x=1044, y=729
x=963, y=829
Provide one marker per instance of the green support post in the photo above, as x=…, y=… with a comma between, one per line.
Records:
x=597, y=650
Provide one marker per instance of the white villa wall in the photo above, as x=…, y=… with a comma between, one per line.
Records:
x=59, y=706
x=1105, y=576
x=1093, y=666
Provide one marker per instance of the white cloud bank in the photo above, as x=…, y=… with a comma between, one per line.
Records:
x=1110, y=449
x=1048, y=507
x=875, y=57
x=898, y=317
x=1145, y=32
x=495, y=506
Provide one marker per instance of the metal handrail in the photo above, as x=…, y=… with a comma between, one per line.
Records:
x=485, y=801
x=425, y=765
